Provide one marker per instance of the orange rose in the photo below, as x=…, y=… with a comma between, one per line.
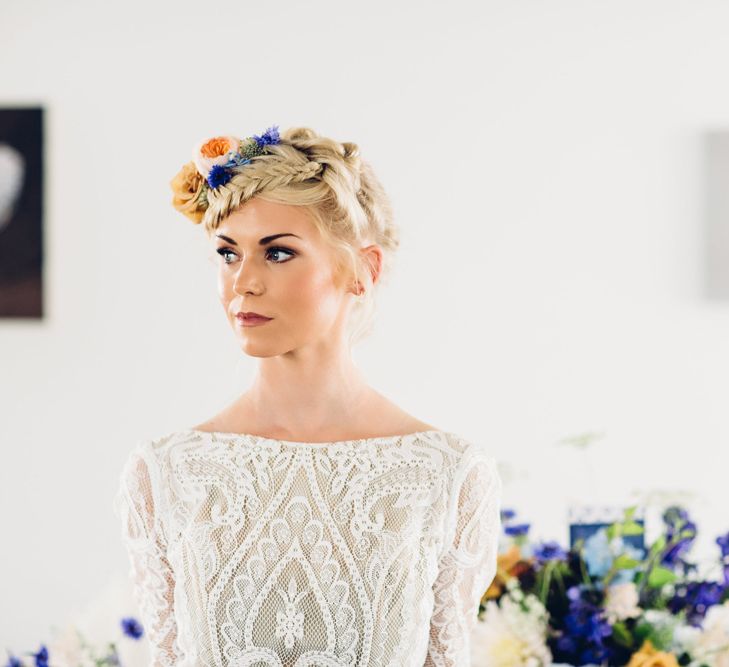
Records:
x=215, y=147
x=214, y=151
x=186, y=187
x=648, y=656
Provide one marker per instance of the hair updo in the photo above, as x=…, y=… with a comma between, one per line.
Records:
x=340, y=191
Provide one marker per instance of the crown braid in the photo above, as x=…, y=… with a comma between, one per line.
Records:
x=269, y=175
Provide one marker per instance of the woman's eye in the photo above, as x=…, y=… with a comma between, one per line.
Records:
x=223, y=252
x=274, y=249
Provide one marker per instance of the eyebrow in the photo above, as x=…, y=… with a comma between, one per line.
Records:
x=264, y=241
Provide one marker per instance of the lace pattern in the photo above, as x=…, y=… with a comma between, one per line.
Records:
x=252, y=552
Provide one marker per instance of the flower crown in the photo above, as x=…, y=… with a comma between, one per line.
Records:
x=214, y=163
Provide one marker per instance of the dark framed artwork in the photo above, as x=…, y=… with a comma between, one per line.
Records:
x=21, y=212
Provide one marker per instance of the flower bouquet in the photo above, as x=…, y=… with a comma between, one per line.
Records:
x=70, y=648
x=604, y=601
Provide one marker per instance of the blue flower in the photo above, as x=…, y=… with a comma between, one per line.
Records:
x=132, y=628
x=586, y=627
x=517, y=529
x=599, y=554
x=507, y=514
x=219, y=175
x=270, y=136
x=549, y=551
x=723, y=542
x=695, y=597
x=41, y=658
x=678, y=523
x=14, y=662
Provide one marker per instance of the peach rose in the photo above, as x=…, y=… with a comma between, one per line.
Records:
x=509, y=564
x=648, y=656
x=214, y=151
x=186, y=188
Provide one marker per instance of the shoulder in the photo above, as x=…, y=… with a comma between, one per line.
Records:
x=148, y=454
x=467, y=449
x=474, y=461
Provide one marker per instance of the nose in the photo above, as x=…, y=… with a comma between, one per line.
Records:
x=247, y=279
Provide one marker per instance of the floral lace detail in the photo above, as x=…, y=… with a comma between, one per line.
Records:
x=252, y=552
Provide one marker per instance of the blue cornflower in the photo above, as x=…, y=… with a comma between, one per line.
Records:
x=219, y=175
x=270, y=136
x=517, y=529
x=507, y=514
x=549, y=551
x=41, y=658
x=132, y=628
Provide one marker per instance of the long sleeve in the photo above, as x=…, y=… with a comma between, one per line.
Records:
x=468, y=563
x=136, y=505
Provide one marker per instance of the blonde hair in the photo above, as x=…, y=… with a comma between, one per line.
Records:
x=340, y=191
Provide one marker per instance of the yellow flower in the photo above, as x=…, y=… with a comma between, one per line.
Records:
x=186, y=187
x=648, y=656
x=509, y=564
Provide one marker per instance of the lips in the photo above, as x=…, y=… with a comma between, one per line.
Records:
x=252, y=317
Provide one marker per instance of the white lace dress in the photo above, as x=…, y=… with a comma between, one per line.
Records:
x=248, y=551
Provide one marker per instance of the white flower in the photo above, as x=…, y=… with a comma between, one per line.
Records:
x=711, y=646
x=508, y=636
x=65, y=648
x=622, y=602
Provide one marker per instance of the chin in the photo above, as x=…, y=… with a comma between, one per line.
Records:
x=260, y=348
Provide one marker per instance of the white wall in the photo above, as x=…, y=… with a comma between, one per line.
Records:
x=545, y=162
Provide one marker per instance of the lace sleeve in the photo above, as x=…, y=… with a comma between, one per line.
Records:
x=136, y=505
x=468, y=564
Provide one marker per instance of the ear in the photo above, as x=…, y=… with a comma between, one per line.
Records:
x=373, y=257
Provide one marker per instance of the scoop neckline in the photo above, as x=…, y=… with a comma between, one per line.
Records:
x=301, y=443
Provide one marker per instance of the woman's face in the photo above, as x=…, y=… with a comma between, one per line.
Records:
x=289, y=278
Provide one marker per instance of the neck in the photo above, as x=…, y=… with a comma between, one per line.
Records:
x=311, y=392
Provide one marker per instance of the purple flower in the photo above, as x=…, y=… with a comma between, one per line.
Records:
x=517, y=529
x=695, y=597
x=132, y=628
x=549, y=551
x=219, y=175
x=270, y=136
x=14, y=662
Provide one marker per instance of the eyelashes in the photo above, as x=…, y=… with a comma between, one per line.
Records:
x=223, y=252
